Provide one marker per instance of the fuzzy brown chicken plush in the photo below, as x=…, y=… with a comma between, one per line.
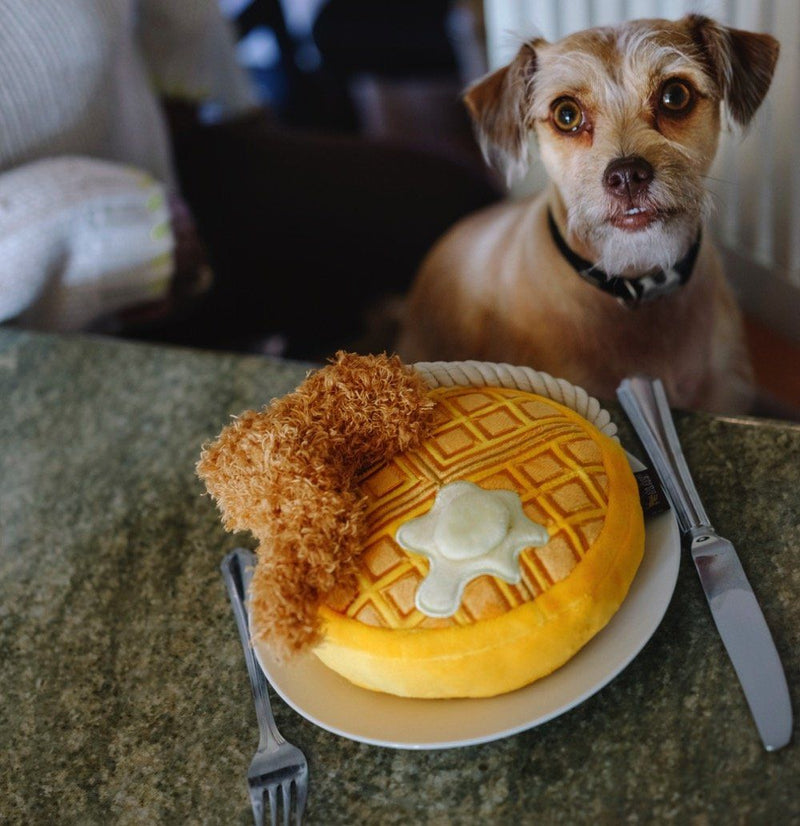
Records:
x=288, y=474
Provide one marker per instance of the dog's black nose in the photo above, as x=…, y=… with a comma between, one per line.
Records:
x=628, y=177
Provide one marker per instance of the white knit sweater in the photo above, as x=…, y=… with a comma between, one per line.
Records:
x=84, y=153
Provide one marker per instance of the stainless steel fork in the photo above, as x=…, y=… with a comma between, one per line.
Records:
x=278, y=768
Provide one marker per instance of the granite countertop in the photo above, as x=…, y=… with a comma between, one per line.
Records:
x=123, y=692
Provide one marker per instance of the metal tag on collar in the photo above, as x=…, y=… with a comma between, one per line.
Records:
x=634, y=295
x=659, y=283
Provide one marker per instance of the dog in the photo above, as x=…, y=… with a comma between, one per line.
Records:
x=607, y=272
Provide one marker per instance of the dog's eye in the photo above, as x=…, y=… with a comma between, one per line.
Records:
x=676, y=97
x=567, y=115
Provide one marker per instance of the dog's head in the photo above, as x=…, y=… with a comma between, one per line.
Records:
x=627, y=121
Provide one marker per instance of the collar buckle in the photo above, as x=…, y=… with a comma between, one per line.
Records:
x=660, y=283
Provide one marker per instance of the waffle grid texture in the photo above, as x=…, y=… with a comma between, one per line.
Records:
x=496, y=437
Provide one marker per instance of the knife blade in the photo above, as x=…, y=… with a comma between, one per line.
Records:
x=734, y=608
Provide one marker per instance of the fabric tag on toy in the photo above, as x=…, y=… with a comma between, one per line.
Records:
x=651, y=494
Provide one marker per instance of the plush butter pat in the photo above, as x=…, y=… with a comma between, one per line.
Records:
x=467, y=533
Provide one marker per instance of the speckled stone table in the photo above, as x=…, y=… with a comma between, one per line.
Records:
x=123, y=693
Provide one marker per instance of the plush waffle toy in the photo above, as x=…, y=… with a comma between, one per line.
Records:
x=454, y=541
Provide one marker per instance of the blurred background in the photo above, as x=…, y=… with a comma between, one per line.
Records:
x=366, y=157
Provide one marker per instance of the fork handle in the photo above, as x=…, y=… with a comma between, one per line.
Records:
x=237, y=569
x=645, y=402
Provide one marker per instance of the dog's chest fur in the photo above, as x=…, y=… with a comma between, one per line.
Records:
x=517, y=300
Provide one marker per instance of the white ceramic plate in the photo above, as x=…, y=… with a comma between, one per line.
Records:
x=328, y=700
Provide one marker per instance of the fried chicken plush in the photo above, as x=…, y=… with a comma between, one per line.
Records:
x=288, y=473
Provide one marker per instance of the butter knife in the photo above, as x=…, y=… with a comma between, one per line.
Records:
x=733, y=604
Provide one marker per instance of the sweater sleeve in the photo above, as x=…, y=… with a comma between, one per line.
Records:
x=190, y=52
x=80, y=239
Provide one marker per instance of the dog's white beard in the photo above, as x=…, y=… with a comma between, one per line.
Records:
x=633, y=253
x=660, y=246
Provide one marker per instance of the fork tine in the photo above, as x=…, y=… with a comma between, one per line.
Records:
x=257, y=804
x=286, y=794
x=273, y=805
x=300, y=807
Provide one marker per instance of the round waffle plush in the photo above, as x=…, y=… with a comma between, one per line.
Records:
x=437, y=612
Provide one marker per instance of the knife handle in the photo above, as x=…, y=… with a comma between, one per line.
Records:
x=739, y=619
x=645, y=403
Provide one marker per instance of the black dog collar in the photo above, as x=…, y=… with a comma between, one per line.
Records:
x=629, y=291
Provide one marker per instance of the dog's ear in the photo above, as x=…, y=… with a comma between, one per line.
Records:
x=498, y=104
x=741, y=62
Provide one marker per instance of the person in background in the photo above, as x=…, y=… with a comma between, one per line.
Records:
x=92, y=223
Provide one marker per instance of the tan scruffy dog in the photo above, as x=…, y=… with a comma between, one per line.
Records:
x=607, y=272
